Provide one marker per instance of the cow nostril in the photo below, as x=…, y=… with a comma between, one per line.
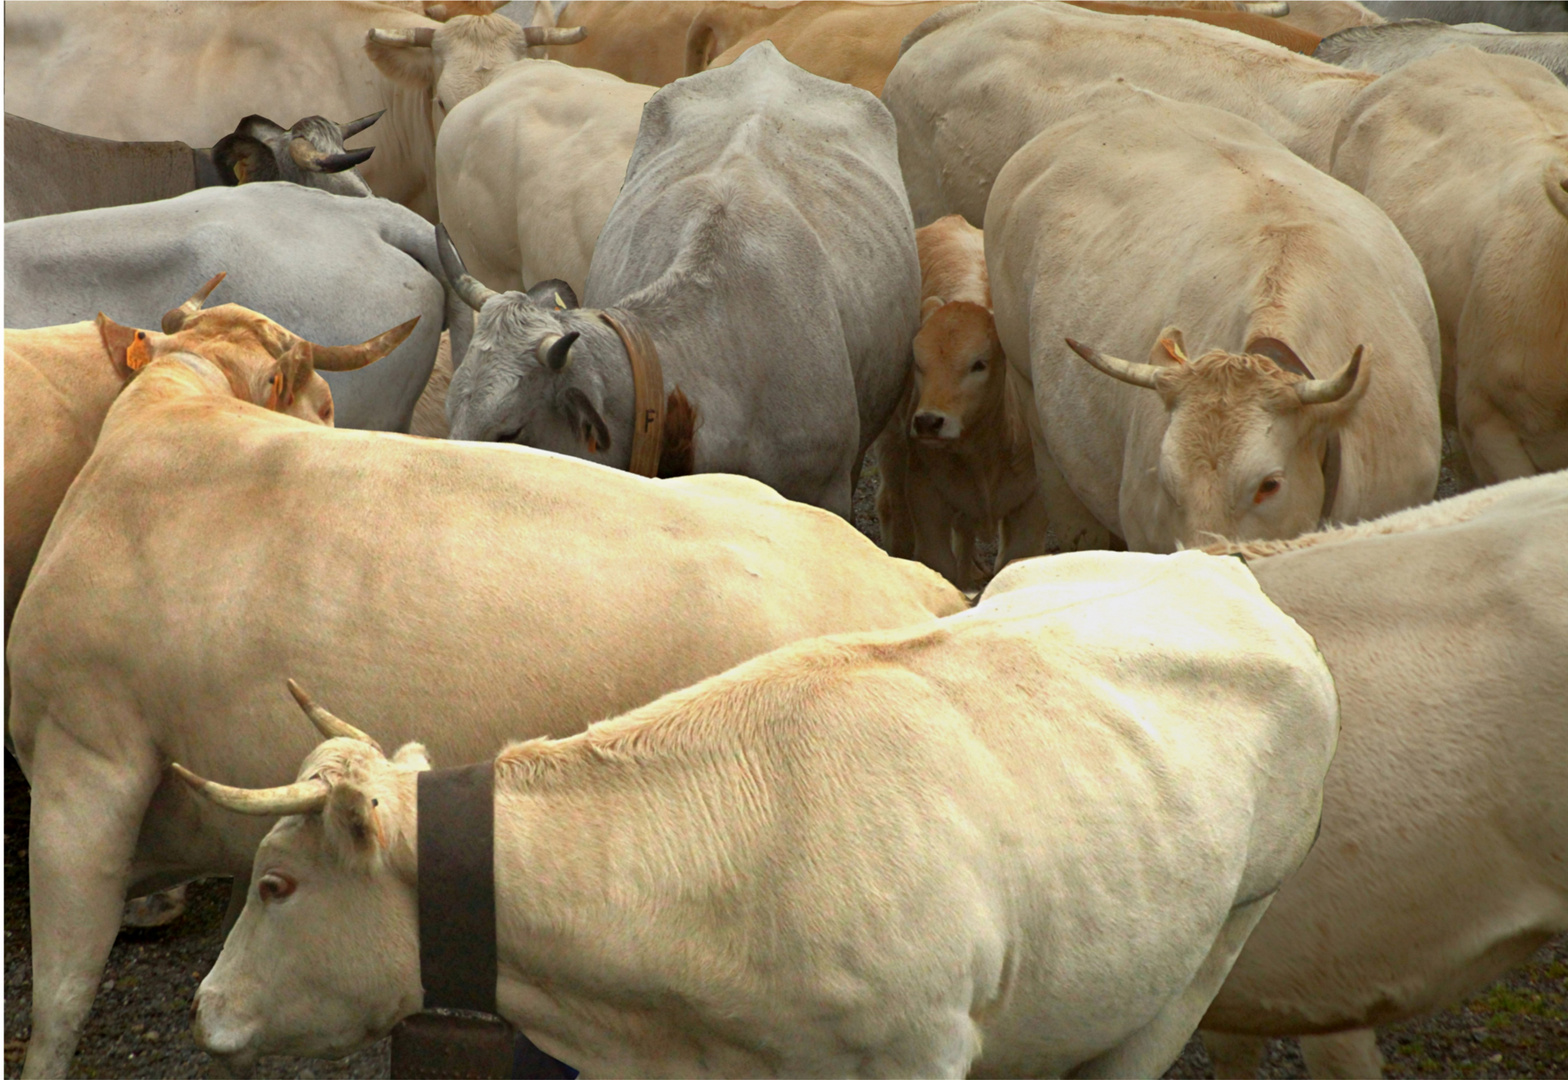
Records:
x=928, y=423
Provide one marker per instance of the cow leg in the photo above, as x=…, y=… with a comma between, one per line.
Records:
x=1076, y=529
x=239, y=888
x=961, y=535
x=1348, y=1054
x=933, y=524
x=1234, y=1057
x=87, y=809
x=1022, y=534
x=1150, y=1050
x=1493, y=446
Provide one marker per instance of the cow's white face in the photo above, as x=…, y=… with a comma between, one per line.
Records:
x=1242, y=456
x=456, y=61
x=325, y=956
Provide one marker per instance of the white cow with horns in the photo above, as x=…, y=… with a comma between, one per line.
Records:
x=1018, y=842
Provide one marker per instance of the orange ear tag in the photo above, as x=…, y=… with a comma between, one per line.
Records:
x=136, y=356
x=593, y=445
x=277, y=391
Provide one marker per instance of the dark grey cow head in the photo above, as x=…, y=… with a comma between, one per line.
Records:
x=539, y=371
x=309, y=153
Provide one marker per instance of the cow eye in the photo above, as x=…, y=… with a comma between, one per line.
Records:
x=979, y=365
x=1268, y=489
x=275, y=886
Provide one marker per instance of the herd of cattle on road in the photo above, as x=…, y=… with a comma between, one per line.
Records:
x=1273, y=743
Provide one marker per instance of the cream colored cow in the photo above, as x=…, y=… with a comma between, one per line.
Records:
x=1019, y=842
x=956, y=461
x=529, y=167
x=1468, y=154
x=1445, y=813
x=1292, y=347
x=977, y=81
x=208, y=542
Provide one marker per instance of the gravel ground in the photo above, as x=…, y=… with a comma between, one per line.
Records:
x=140, y=1025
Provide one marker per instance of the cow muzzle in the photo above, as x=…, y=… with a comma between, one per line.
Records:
x=215, y=1030
x=934, y=427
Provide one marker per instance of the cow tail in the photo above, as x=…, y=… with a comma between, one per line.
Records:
x=678, y=452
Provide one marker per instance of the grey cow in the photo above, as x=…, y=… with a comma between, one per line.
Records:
x=333, y=269
x=1384, y=48
x=1547, y=15
x=762, y=242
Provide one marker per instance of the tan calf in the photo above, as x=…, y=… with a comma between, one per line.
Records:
x=956, y=459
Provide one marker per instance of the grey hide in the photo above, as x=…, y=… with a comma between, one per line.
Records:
x=1524, y=15
x=49, y=171
x=764, y=242
x=1384, y=48
x=335, y=270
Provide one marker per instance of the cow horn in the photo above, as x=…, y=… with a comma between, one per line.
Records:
x=1274, y=9
x=329, y=726
x=175, y=318
x=553, y=35
x=351, y=357
x=1136, y=374
x=1323, y=391
x=311, y=159
x=473, y=291
x=354, y=127
x=305, y=797
x=419, y=37
x=555, y=351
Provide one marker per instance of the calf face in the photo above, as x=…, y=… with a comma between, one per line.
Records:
x=325, y=956
x=960, y=373
x=1243, y=453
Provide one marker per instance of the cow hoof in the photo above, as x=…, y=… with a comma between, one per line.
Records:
x=159, y=909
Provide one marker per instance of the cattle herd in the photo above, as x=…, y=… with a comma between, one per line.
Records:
x=1174, y=703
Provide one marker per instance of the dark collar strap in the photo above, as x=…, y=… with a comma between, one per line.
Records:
x=457, y=946
x=648, y=388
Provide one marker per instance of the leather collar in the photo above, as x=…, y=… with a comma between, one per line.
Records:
x=648, y=384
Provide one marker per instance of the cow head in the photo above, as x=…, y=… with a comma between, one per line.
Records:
x=539, y=371
x=960, y=372
x=262, y=362
x=309, y=153
x=1243, y=454
x=460, y=58
x=325, y=956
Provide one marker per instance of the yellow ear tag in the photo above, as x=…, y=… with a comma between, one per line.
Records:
x=136, y=356
x=1173, y=350
x=277, y=391
x=560, y=305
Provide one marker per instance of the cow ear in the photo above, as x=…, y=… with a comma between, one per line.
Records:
x=1169, y=348
x=353, y=819
x=590, y=426
x=400, y=59
x=929, y=305
x=128, y=348
x=554, y=294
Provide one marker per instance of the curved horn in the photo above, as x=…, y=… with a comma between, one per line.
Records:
x=473, y=291
x=305, y=797
x=329, y=726
x=311, y=159
x=554, y=352
x=1274, y=9
x=350, y=357
x=175, y=318
x=1136, y=374
x=1323, y=391
x=553, y=35
x=354, y=127
x=420, y=37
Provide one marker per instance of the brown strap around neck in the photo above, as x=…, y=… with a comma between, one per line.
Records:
x=457, y=950
x=648, y=384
